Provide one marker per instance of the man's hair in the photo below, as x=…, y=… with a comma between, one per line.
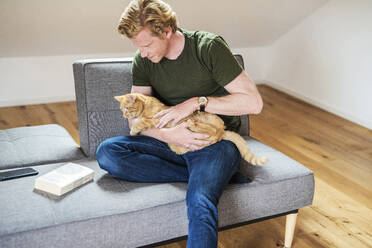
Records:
x=155, y=14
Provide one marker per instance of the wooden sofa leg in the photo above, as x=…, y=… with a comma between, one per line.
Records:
x=290, y=223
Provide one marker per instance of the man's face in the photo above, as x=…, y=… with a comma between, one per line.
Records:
x=152, y=47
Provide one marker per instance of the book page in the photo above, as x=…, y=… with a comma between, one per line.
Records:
x=66, y=174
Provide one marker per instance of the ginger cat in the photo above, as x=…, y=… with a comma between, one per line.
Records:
x=143, y=108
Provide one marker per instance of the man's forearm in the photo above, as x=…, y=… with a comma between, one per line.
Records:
x=234, y=104
x=156, y=133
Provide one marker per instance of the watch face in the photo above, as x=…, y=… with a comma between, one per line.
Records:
x=202, y=100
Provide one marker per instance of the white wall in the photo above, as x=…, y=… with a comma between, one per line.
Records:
x=40, y=39
x=327, y=60
x=40, y=79
x=53, y=28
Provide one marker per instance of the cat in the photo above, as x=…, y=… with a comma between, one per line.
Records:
x=142, y=108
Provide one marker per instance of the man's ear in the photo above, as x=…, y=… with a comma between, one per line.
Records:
x=168, y=33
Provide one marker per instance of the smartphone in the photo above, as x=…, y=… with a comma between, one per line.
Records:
x=24, y=172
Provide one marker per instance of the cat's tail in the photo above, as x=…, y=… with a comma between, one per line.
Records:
x=246, y=153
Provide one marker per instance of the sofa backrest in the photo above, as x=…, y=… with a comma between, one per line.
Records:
x=97, y=81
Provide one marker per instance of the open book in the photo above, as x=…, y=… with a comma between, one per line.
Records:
x=64, y=179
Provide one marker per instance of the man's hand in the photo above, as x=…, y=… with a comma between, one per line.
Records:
x=177, y=113
x=181, y=136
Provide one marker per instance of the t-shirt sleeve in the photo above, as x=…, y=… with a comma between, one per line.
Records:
x=140, y=72
x=223, y=65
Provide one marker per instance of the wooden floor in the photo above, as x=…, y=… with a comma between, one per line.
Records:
x=338, y=151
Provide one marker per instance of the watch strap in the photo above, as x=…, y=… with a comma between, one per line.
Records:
x=202, y=107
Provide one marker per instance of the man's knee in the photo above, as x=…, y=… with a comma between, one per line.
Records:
x=228, y=147
x=102, y=154
x=227, y=152
x=104, y=148
x=107, y=151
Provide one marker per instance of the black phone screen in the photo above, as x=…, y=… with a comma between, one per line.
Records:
x=17, y=173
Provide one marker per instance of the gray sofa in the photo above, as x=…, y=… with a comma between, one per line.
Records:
x=109, y=212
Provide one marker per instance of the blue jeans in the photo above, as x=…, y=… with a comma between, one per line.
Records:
x=207, y=171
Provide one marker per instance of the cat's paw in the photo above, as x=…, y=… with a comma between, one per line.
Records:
x=260, y=161
x=133, y=132
x=190, y=123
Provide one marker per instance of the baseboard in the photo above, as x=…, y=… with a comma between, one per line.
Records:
x=41, y=100
x=364, y=123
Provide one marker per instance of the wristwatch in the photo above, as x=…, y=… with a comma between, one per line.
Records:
x=202, y=103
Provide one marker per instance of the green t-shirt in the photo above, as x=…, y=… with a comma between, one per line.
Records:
x=204, y=67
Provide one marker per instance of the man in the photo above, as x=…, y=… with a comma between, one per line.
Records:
x=190, y=71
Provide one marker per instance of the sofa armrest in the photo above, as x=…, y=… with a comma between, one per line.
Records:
x=99, y=115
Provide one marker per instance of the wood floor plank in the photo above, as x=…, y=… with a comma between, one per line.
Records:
x=313, y=117
x=349, y=220
x=354, y=190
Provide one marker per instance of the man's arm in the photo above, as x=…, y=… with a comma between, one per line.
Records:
x=146, y=90
x=244, y=99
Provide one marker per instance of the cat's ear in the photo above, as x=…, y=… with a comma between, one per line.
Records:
x=118, y=98
x=132, y=98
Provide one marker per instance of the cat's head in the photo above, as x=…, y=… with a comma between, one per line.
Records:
x=132, y=105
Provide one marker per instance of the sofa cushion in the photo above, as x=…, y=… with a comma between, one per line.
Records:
x=110, y=212
x=36, y=145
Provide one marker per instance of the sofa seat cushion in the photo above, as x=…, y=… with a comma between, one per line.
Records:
x=36, y=145
x=110, y=212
